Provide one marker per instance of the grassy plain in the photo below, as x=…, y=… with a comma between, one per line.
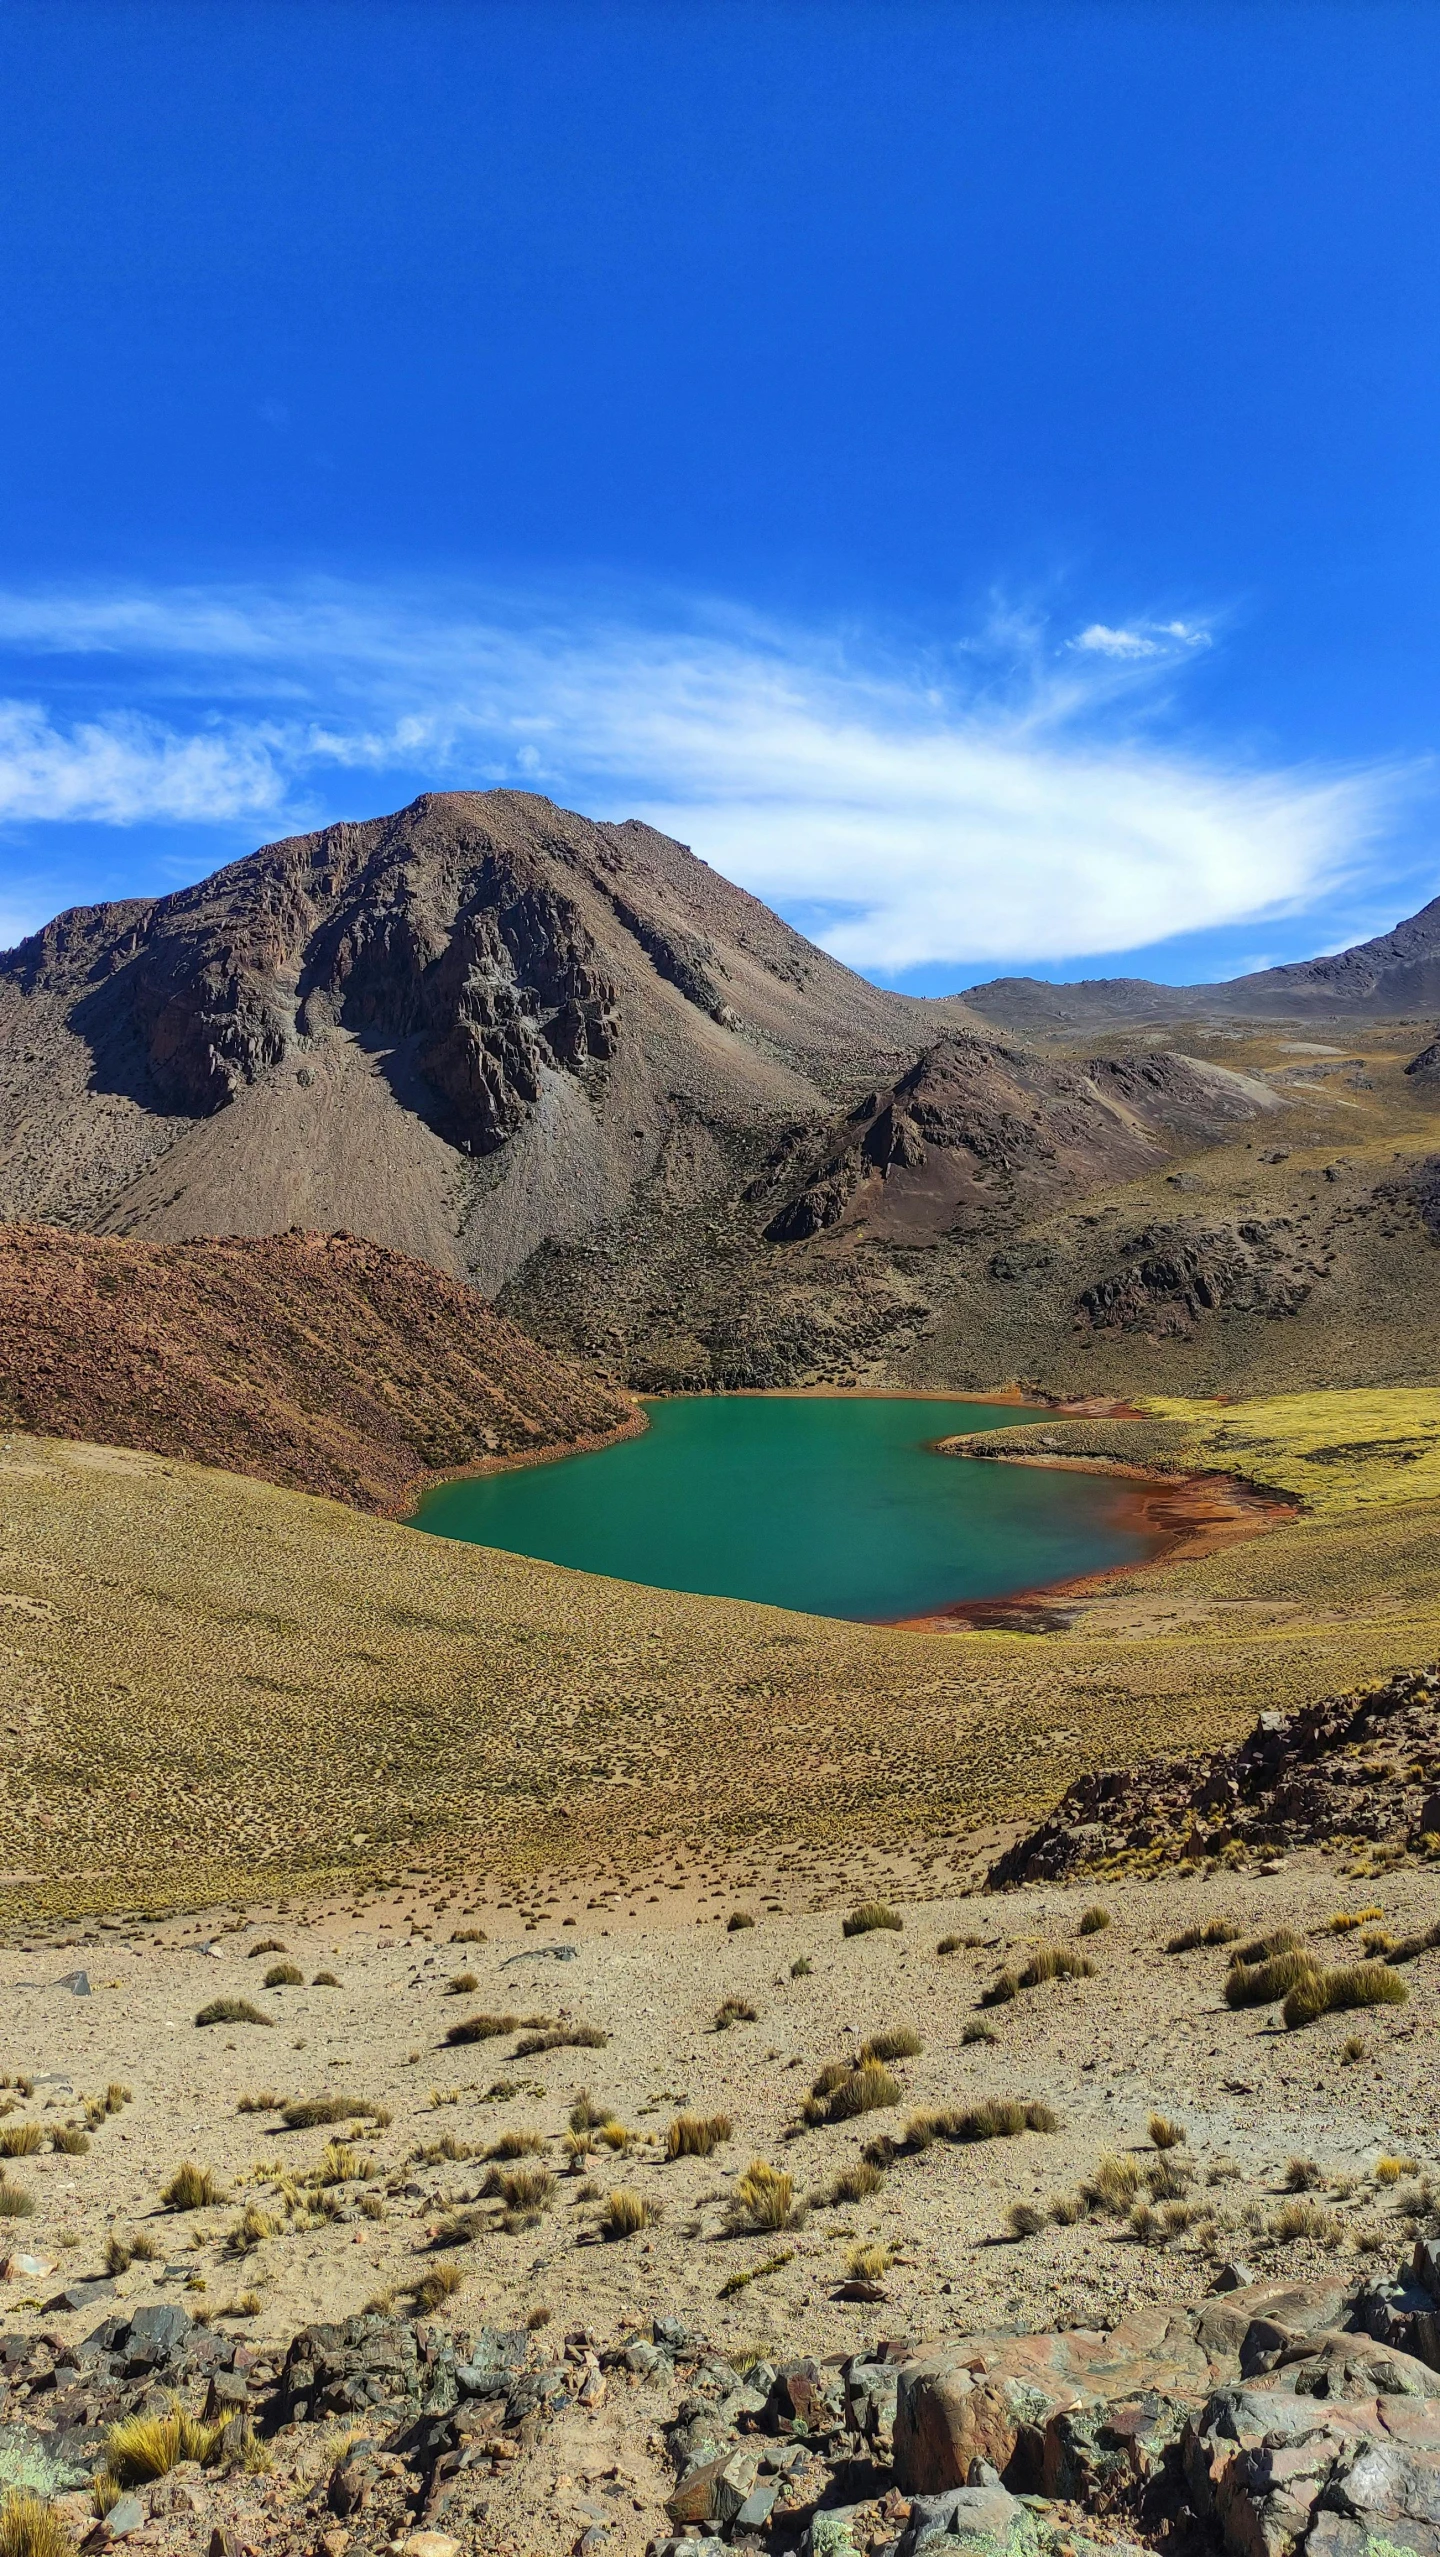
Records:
x=215, y=1689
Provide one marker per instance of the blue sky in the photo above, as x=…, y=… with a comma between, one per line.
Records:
x=970, y=470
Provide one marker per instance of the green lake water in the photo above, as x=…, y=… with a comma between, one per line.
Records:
x=841, y=1508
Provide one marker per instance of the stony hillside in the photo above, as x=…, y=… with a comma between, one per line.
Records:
x=309, y=1360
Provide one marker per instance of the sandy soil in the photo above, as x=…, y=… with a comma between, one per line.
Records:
x=1148, y=2030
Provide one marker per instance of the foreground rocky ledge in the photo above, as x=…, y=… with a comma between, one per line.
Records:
x=1271, y=2418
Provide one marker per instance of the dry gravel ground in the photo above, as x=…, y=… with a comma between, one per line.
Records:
x=1149, y=2030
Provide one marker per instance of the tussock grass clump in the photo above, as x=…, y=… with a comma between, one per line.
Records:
x=15, y=2202
x=1024, y=2219
x=469, y=1935
x=855, y=2183
x=191, y=2188
x=802, y=1967
x=738, y=1920
x=252, y=2229
x=1303, y=2175
x=1352, y=1984
x=1343, y=1920
x=284, y=1975
x=998, y=2117
x=1267, y=1948
x=325, y=1980
x=734, y=2011
x=741, y=2282
x=560, y=2037
x=436, y=2286
x=1259, y=1984
x=978, y=2031
x=1093, y=1922
x=232, y=2011
x=845, y=2089
x=339, y=2163
x=868, y=2262
x=29, y=2527
x=21, y=2139
x=1113, y=2186
x=116, y=2096
x=267, y=1944
x=1306, y=2219
x=266, y=2102
x=616, y=2136
x=1210, y=1931
x=1405, y=1948
x=1351, y=2050
x=1065, y=2209
x=1048, y=1962
x=482, y=2028
x=764, y=2197
x=871, y=1915
x=70, y=2140
x=626, y=2212
x=898, y=2042
x=516, y=2144
x=521, y=2188
x=696, y=2134
x=1164, y=2134
x=586, y=2114
x=142, y=2447
x=450, y=2151
x=1168, y=2177
x=312, y=2112
x=463, y=1985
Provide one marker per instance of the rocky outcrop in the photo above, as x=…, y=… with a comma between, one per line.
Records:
x=1171, y=1276
x=1356, y=1767
x=311, y=1360
x=978, y=1131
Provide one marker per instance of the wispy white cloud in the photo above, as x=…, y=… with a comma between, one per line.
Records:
x=959, y=810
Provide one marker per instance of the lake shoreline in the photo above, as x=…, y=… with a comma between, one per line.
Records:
x=1189, y=1515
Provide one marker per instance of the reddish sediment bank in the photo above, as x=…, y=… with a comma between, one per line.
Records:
x=1183, y=1516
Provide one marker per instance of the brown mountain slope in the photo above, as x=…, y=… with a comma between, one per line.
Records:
x=462, y=1029
x=313, y=1361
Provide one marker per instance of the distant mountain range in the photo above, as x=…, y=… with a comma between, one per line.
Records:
x=1395, y=975
x=568, y=1063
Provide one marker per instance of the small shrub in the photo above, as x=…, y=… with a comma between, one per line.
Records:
x=900, y=2042
x=463, y=1985
x=1355, y=1984
x=1094, y=1922
x=1211, y=1931
x=1024, y=2220
x=764, y=2197
x=801, y=1967
x=284, y=1975
x=29, y=2527
x=1259, y=1984
x=1163, y=2134
x=142, y=2447
x=978, y=2031
x=1302, y=2175
x=232, y=2011
x=21, y=2139
x=626, y=2212
x=870, y=1915
x=482, y=2028
x=435, y=2287
x=737, y=1921
x=70, y=2140
x=191, y=2188
x=734, y=2011
x=695, y=2135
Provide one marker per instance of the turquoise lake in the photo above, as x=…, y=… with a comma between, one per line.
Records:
x=840, y=1508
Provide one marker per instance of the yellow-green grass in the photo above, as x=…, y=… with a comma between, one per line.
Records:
x=1338, y=1451
x=218, y=1688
